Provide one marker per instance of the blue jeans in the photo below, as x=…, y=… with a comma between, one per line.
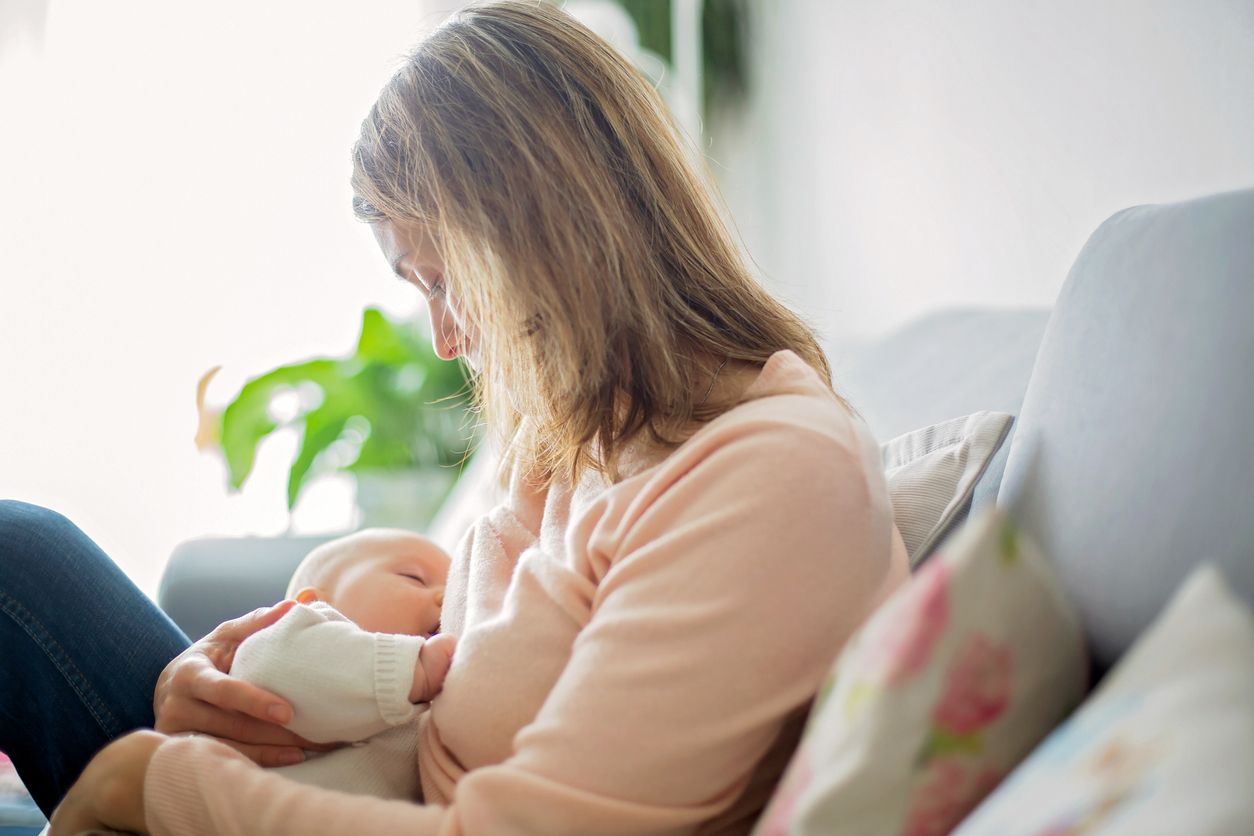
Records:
x=80, y=649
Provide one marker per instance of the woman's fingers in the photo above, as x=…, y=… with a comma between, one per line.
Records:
x=196, y=694
x=238, y=629
x=210, y=685
x=267, y=755
x=193, y=715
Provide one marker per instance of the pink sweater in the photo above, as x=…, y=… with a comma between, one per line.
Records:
x=633, y=658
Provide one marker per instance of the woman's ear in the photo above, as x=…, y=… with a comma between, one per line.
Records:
x=307, y=595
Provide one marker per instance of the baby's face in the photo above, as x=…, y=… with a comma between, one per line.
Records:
x=391, y=584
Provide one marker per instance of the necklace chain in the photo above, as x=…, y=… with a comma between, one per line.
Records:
x=712, y=381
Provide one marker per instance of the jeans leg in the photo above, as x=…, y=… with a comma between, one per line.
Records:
x=80, y=649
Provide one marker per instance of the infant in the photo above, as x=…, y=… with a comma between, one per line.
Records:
x=355, y=656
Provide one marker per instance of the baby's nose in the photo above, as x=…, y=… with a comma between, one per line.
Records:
x=439, y=597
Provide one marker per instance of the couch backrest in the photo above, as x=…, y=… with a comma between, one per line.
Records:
x=944, y=365
x=1133, y=457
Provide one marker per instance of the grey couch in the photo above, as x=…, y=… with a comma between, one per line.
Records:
x=1131, y=458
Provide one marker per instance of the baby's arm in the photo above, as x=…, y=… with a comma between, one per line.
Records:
x=344, y=684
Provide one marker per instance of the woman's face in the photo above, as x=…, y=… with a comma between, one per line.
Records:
x=412, y=254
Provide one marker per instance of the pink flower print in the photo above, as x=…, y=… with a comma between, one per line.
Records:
x=948, y=790
x=977, y=686
x=779, y=813
x=907, y=634
x=936, y=804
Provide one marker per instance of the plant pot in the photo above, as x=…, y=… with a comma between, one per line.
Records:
x=406, y=499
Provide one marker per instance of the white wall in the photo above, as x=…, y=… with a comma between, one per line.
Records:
x=174, y=184
x=904, y=155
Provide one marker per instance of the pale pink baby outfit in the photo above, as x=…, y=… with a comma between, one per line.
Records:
x=632, y=658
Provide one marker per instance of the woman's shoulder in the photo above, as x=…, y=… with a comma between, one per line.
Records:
x=785, y=372
x=791, y=452
x=788, y=419
x=789, y=397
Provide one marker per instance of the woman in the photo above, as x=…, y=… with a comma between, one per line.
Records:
x=694, y=521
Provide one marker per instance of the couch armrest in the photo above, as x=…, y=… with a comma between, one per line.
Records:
x=211, y=580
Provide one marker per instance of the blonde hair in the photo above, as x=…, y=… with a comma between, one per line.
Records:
x=581, y=242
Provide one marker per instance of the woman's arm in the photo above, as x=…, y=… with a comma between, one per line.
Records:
x=110, y=792
x=715, y=623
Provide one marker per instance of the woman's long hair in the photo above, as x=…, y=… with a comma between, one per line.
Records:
x=579, y=240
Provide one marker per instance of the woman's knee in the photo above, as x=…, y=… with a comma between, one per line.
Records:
x=17, y=518
x=32, y=533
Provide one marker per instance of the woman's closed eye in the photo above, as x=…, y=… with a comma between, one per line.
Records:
x=436, y=288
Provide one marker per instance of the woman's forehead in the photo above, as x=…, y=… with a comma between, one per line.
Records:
x=406, y=245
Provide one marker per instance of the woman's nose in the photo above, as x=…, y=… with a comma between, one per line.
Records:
x=445, y=335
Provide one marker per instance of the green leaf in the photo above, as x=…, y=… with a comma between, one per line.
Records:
x=942, y=742
x=415, y=404
x=244, y=423
x=323, y=428
x=246, y=420
x=380, y=452
x=1009, y=551
x=380, y=340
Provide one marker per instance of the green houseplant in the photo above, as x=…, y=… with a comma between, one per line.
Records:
x=390, y=411
x=724, y=46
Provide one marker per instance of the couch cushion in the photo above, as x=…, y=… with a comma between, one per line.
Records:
x=1138, y=415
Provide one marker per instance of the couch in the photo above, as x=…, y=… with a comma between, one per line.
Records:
x=1130, y=459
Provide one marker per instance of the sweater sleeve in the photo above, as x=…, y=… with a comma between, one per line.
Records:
x=723, y=605
x=344, y=683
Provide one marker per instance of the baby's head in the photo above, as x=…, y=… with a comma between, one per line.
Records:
x=385, y=580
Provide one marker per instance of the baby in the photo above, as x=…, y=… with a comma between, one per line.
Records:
x=355, y=656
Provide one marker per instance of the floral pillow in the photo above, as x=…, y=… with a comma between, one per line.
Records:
x=18, y=813
x=942, y=692
x=1164, y=745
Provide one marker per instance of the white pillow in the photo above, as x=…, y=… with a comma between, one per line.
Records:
x=1164, y=745
x=932, y=472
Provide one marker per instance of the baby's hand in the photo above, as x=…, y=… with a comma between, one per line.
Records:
x=433, y=663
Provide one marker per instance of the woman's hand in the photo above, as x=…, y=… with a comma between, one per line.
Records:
x=194, y=693
x=110, y=792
